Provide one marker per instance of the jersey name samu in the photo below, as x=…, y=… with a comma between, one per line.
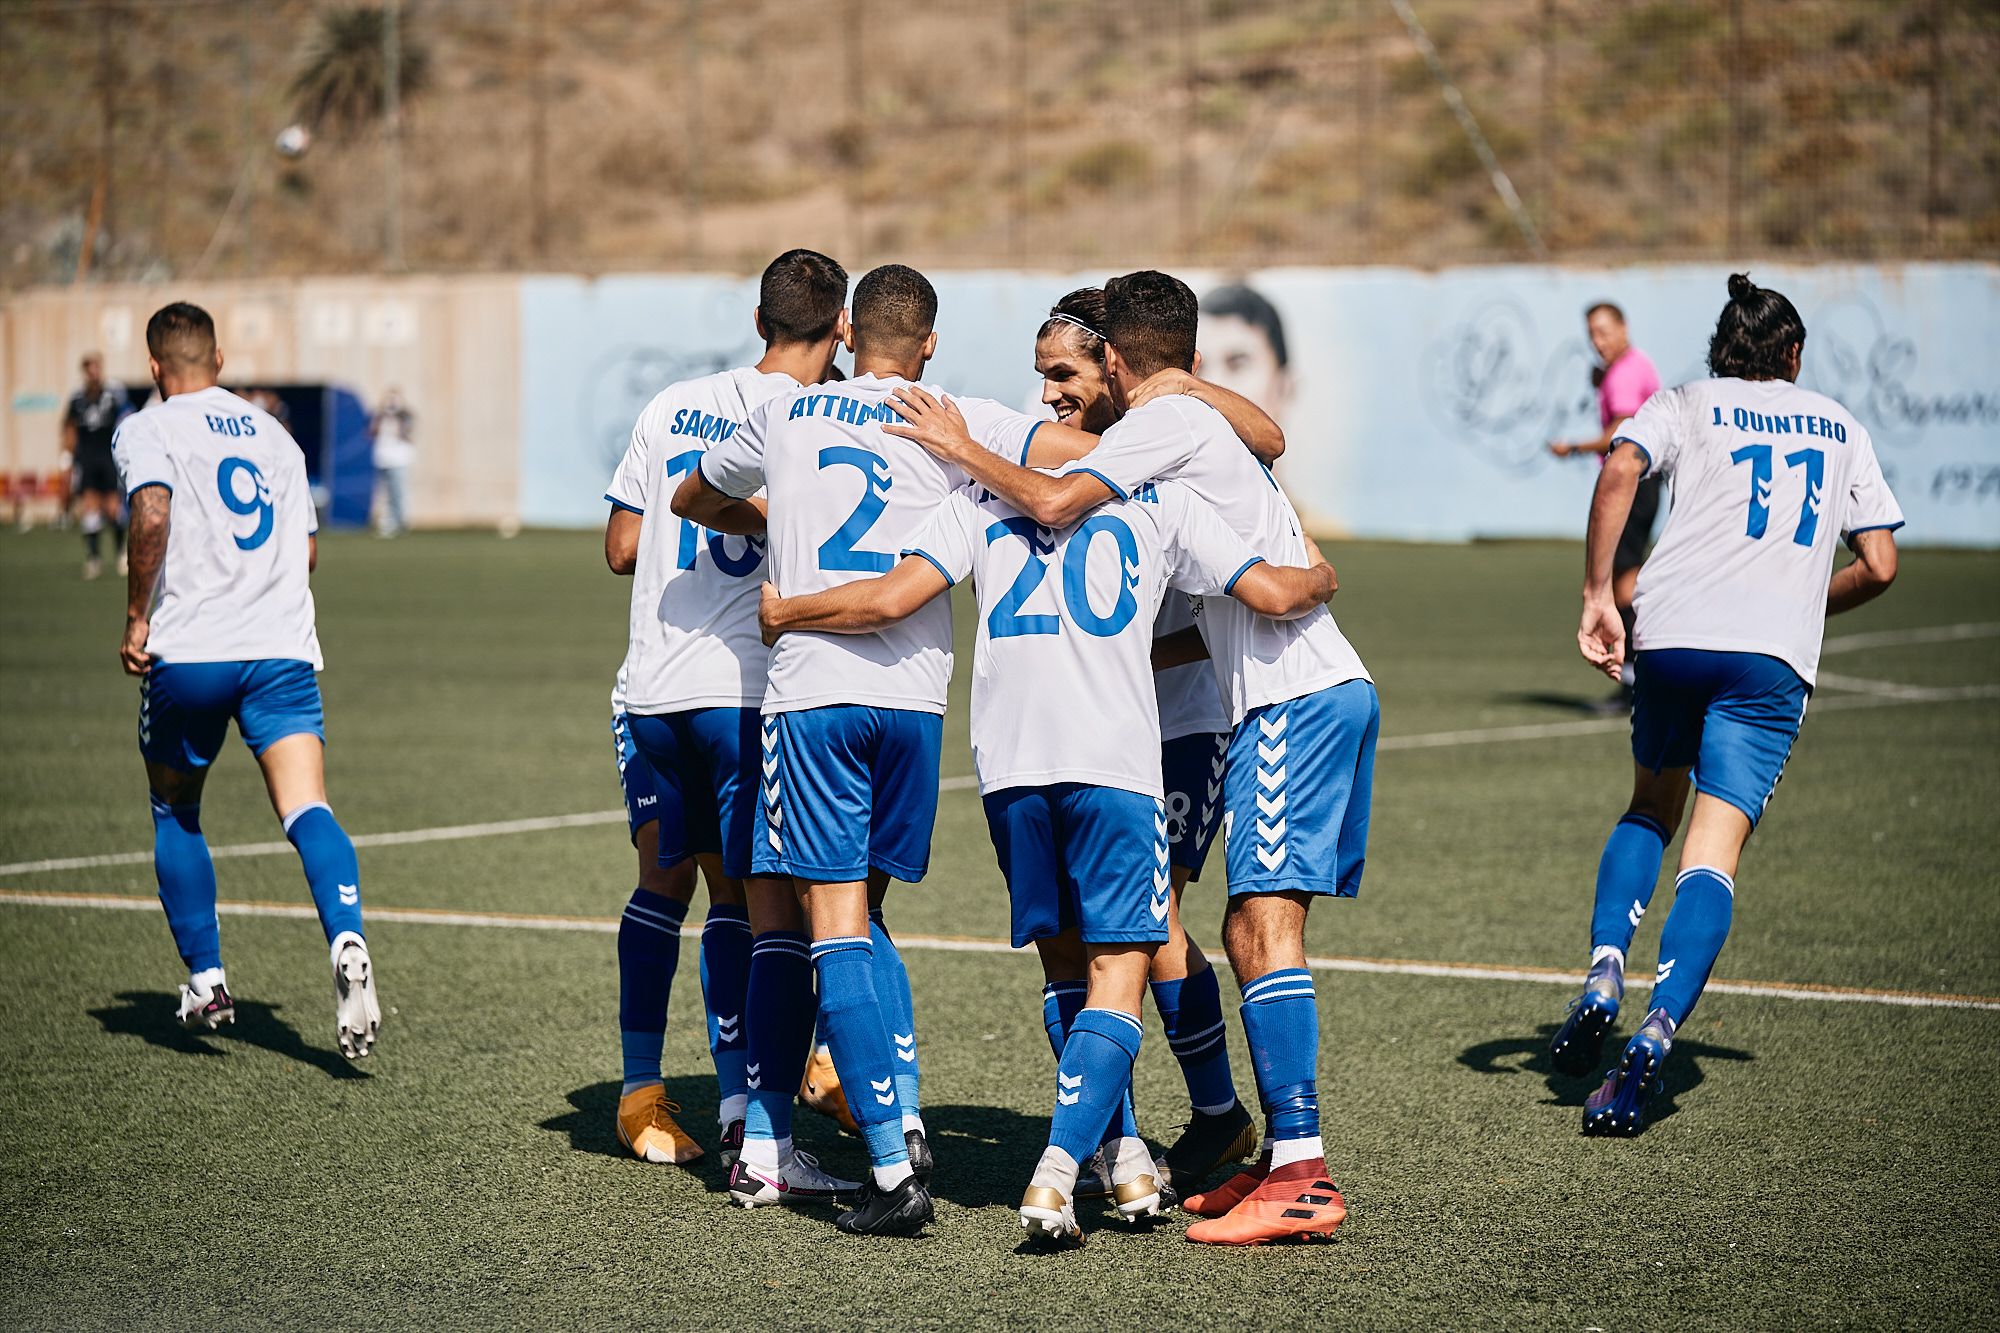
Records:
x=845, y=498
x=694, y=639
x=1061, y=688
x=234, y=586
x=1767, y=479
x=1257, y=660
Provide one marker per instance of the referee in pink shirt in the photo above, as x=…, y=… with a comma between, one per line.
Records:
x=1625, y=379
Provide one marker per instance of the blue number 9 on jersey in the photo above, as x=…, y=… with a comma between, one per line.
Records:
x=235, y=476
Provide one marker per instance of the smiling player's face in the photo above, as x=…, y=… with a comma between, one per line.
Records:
x=1073, y=383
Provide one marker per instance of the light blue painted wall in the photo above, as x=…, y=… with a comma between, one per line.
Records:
x=1420, y=401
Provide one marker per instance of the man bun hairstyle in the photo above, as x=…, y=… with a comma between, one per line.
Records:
x=1237, y=301
x=1081, y=314
x=800, y=297
x=895, y=308
x=1755, y=334
x=1151, y=318
x=181, y=334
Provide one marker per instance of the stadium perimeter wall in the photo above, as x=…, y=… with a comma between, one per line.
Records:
x=1417, y=403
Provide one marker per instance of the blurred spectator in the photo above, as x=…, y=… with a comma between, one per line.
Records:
x=88, y=424
x=395, y=450
x=1625, y=379
x=273, y=403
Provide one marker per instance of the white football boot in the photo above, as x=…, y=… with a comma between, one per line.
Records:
x=357, y=1015
x=205, y=1001
x=799, y=1179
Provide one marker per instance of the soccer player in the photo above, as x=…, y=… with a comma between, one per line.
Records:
x=853, y=723
x=219, y=625
x=694, y=677
x=88, y=423
x=1194, y=729
x=1299, y=771
x=1076, y=810
x=1625, y=379
x=1732, y=607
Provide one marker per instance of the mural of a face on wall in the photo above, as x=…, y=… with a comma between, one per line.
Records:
x=1242, y=346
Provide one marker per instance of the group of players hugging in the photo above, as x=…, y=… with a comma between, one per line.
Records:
x=1155, y=664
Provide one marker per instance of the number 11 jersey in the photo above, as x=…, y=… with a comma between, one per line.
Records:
x=1767, y=479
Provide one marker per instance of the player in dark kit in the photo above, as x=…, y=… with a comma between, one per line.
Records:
x=89, y=421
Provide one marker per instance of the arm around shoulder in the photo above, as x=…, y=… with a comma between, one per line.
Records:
x=1284, y=592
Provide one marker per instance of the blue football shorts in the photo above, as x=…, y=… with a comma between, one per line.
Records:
x=704, y=763
x=1732, y=717
x=1083, y=857
x=846, y=789
x=185, y=708
x=1296, y=790
x=1191, y=768
x=635, y=778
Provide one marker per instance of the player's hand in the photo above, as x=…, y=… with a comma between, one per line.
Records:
x=1560, y=449
x=132, y=653
x=935, y=423
x=1160, y=384
x=1332, y=579
x=767, y=605
x=1601, y=636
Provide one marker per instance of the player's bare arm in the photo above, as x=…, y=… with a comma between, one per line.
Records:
x=1600, y=445
x=1260, y=434
x=1600, y=636
x=697, y=499
x=312, y=552
x=1053, y=502
x=152, y=509
x=1868, y=576
x=621, y=540
x=861, y=607
x=1285, y=592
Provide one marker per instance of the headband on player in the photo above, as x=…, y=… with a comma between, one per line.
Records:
x=1072, y=319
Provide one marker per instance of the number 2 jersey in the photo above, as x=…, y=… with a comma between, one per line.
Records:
x=1062, y=687
x=235, y=584
x=694, y=639
x=1767, y=478
x=846, y=497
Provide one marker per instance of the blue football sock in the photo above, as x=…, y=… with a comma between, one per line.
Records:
x=1626, y=874
x=1704, y=900
x=892, y=987
x=1281, y=1020
x=725, y=976
x=1092, y=1078
x=187, y=884
x=851, y=1024
x=1191, y=1011
x=1062, y=1001
x=649, y=949
x=780, y=1017
x=334, y=876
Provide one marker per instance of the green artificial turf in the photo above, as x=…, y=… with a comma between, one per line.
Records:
x=1815, y=1163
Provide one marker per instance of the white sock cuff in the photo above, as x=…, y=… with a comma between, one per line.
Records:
x=342, y=940
x=1604, y=951
x=294, y=816
x=1727, y=882
x=1286, y=1151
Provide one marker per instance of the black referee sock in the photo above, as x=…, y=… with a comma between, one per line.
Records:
x=90, y=543
x=118, y=534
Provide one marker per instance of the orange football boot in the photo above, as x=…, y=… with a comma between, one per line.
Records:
x=1296, y=1200
x=820, y=1091
x=647, y=1127
x=1216, y=1202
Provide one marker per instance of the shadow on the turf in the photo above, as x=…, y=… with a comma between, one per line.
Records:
x=1530, y=1055
x=985, y=1154
x=591, y=1120
x=1586, y=705
x=151, y=1016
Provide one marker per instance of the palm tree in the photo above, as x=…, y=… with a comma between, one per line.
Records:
x=341, y=85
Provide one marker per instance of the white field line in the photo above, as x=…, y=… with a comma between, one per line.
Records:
x=1876, y=694
x=1894, y=638
x=960, y=944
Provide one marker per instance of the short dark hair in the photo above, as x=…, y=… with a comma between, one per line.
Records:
x=895, y=307
x=181, y=334
x=1151, y=318
x=1616, y=313
x=1082, y=312
x=1239, y=302
x=1755, y=333
x=800, y=296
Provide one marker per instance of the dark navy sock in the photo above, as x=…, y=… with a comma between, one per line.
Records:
x=649, y=950
x=725, y=978
x=780, y=1016
x=1191, y=1011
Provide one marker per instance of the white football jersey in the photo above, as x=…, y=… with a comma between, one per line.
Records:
x=235, y=584
x=694, y=640
x=846, y=497
x=1767, y=479
x=1190, y=700
x=1256, y=660
x=1061, y=688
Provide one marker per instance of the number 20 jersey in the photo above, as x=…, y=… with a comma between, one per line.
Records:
x=235, y=584
x=1767, y=478
x=694, y=639
x=846, y=497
